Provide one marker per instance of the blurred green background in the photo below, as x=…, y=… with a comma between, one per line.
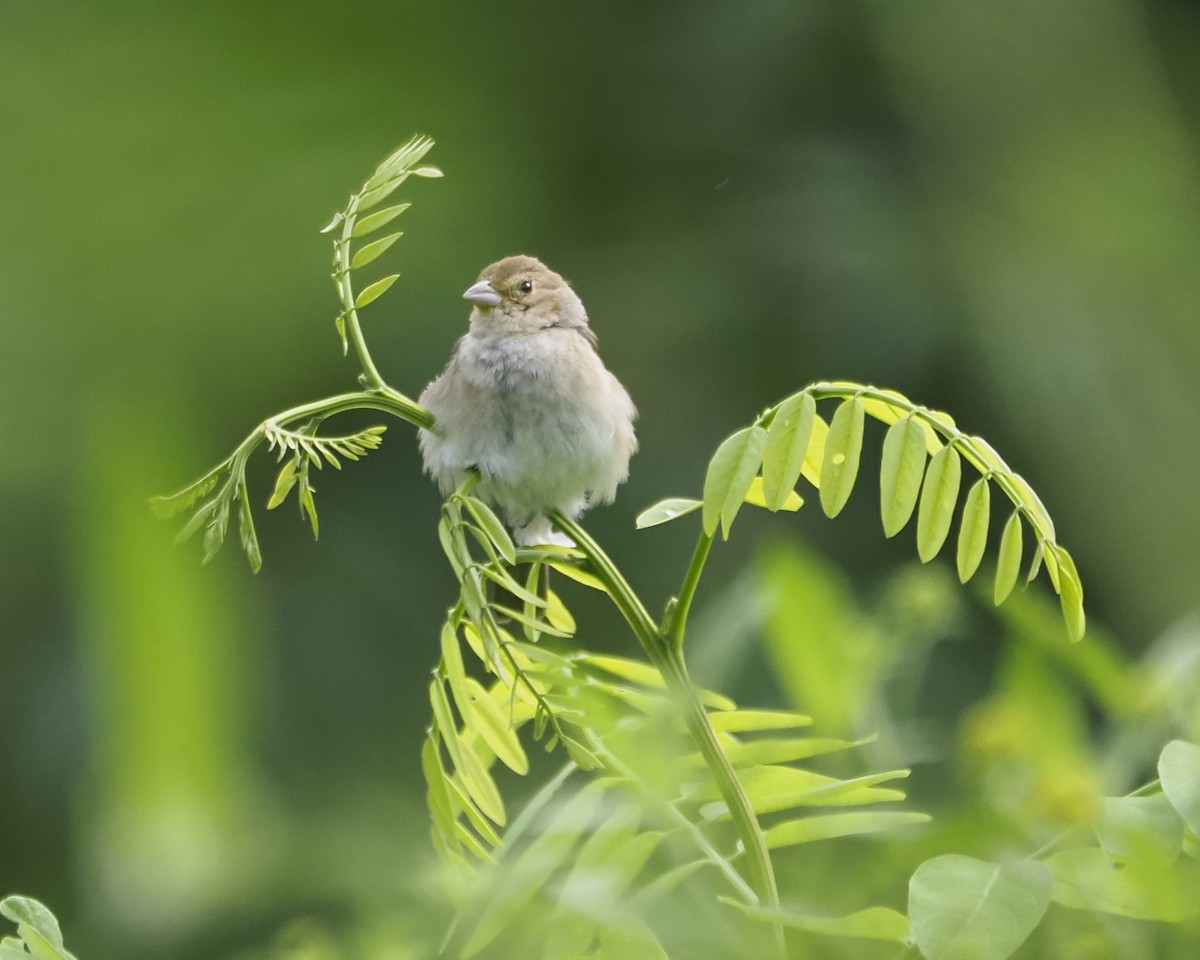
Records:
x=994, y=208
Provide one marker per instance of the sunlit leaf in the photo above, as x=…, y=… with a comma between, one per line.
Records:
x=493, y=726
x=830, y=825
x=900, y=474
x=939, y=496
x=428, y=171
x=967, y=909
x=666, y=510
x=1070, y=589
x=815, y=457
x=973, y=531
x=729, y=475
x=843, y=447
x=736, y=721
x=1008, y=563
x=374, y=291
x=873, y=923
x=491, y=525
x=787, y=444
x=756, y=497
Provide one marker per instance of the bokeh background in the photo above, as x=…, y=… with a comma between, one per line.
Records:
x=994, y=208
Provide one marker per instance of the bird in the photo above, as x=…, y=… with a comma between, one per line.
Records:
x=526, y=401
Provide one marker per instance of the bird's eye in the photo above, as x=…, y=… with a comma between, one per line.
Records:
x=526, y=286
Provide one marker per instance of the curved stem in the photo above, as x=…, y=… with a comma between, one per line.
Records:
x=665, y=654
x=371, y=378
x=678, y=621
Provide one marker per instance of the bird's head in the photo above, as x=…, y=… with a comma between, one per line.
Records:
x=520, y=295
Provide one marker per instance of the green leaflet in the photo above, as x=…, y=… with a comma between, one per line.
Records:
x=374, y=291
x=900, y=473
x=1085, y=879
x=736, y=721
x=666, y=510
x=830, y=825
x=1179, y=770
x=1008, y=564
x=873, y=923
x=843, y=448
x=1147, y=829
x=368, y=252
x=373, y=221
x=786, y=447
x=939, y=496
x=33, y=916
x=477, y=782
x=972, y=534
x=774, y=788
x=729, y=475
x=490, y=722
x=491, y=525
x=967, y=909
x=1070, y=591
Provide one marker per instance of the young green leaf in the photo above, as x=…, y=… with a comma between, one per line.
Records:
x=730, y=472
x=374, y=291
x=829, y=825
x=843, y=447
x=939, y=496
x=756, y=497
x=972, y=534
x=372, y=250
x=961, y=907
x=246, y=533
x=1008, y=563
x=738, y=721
x=167, y=507
x=873, y=923
x=380, y=218
x=486, y=719
x=33, y=915
x=491, y=525
x=1146, y=829
x=666, y=510
x=900, y=473
x=374, y=196
x=1070, y=590
x=283, y=483
x=810, y=470
x=787, y=443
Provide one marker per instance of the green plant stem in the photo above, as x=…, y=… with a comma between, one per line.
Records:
x=371, y=379
x=678, y=620
x=669, y=660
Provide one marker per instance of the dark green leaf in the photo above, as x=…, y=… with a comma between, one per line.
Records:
x=843, y=447
x=900, y=473
x=939, y=496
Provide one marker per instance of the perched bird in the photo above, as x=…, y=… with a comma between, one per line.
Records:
x=527, y=401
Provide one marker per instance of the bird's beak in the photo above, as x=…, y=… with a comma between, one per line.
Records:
x=483, y=293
